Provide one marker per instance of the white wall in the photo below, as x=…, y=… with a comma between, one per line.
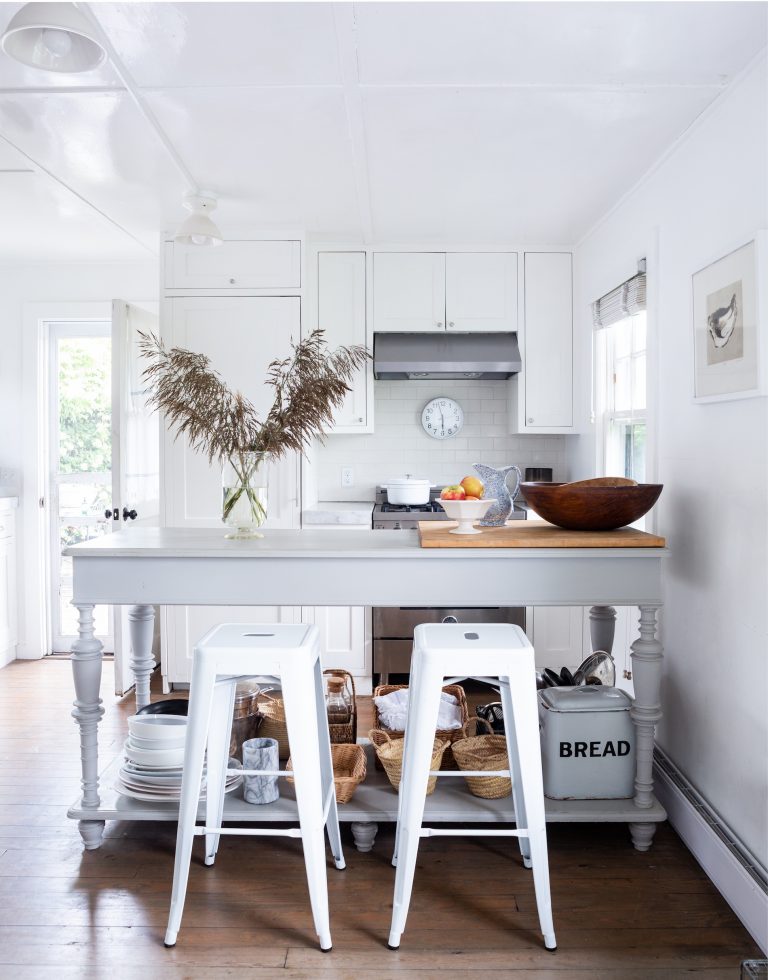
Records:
x=399, y=445
x=20, y=287
x=705, y=197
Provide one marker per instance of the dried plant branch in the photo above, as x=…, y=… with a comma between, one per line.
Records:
x=197, y=404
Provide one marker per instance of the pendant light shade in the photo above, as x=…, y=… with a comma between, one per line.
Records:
x=54, y=37
x=198, y=229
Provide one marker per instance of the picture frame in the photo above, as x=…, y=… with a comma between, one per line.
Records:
x=730, y=310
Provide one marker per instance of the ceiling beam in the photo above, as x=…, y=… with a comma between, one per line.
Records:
x=346, y=43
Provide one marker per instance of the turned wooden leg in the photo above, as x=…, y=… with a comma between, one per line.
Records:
x=602, y=626
x=141, y=627
x=364, y=834
x=645, y=713
x=88, y=711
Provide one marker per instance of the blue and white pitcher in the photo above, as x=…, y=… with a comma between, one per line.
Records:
x=495, y=485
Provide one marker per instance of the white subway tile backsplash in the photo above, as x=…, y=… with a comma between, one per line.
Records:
x=399, y=445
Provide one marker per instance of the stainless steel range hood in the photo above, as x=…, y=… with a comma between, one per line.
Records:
x=413, y=356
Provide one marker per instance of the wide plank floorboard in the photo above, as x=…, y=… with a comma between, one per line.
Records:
x=100, y=915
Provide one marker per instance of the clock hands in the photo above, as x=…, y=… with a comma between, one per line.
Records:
x=442, y=422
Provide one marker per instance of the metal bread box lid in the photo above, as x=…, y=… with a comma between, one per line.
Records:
x=590, y=697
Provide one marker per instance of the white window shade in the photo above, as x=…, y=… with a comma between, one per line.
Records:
x=622, y=302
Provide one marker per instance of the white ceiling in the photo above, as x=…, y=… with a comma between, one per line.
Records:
x=479, y=122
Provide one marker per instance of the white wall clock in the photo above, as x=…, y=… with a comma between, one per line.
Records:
x=442, y=418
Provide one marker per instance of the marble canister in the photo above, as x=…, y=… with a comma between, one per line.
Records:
x=261, y=753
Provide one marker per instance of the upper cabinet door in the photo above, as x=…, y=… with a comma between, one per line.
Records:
x=341, y=315
x=481, y=291
x=548, y=351
x=234, y=265
x=408, y=292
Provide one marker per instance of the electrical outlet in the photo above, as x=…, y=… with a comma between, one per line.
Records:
x=347, y=476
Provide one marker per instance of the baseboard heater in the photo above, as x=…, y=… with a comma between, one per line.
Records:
x=733, y=869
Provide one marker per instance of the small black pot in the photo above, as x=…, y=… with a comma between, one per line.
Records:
x=174, y=706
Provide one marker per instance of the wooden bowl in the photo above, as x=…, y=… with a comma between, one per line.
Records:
x=590, y=508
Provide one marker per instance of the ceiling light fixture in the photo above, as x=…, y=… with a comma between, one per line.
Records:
x=198, y=228
x=54, y=37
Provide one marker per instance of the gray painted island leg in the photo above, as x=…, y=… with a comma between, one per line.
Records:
x=88, y=711
x=645, y=713
x=602, y=627
x=141, y=626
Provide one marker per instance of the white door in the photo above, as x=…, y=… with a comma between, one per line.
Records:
x=135, y=452
x=481, y=291
x=341, y=315
x=344, y=639
x=409, y=292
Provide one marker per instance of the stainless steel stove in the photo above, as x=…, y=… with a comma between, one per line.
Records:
x=395, y=517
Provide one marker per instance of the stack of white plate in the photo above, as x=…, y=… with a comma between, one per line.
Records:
x=154, y=760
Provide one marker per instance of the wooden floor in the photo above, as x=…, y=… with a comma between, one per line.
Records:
x=69, y=913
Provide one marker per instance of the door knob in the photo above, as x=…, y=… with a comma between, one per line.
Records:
x=113, y=514
x=129, y=513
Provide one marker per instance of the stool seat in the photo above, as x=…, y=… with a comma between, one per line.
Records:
x=501, y=651
x=288, y=655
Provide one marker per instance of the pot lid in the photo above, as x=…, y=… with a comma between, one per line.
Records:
x=407, y=481
x=590, y=697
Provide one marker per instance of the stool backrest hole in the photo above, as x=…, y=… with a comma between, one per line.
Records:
x=471, y=636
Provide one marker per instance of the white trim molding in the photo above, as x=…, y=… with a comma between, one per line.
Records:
x=738, y=877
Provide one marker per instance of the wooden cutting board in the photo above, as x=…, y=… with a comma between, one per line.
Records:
x=533, y=534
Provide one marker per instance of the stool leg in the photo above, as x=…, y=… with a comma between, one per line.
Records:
x=522, y=698
x=299, y=699
x=326, y=770
x=417, y=755
x=518, y=797
x=218, y=758
x=201, y=696
x=413, y=682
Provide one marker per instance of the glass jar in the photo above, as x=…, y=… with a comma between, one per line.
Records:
x=246, y=717
x=244, y=494
x=338, y=702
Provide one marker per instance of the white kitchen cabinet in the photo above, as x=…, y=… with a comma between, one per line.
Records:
x=481, y=292
x=341, y=314
x=241, y=335
x=408, y=292
x=8, y=637
x=424, y=292
x=541, y=396
x=557, y=635
x=345, y=636
x=233, y=265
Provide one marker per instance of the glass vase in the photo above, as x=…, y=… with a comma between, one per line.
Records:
x=244, y=495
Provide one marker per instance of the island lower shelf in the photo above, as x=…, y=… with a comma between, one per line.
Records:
x=374, y=802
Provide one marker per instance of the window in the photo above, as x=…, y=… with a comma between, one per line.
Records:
x=621, y=398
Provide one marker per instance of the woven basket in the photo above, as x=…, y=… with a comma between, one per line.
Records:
x=345, y=733
x=390, y=753
x=446, y=735
x=349, y=770
x=273, y=725
x=483, y=752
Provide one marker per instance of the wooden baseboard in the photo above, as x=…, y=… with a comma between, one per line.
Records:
x=732, y=879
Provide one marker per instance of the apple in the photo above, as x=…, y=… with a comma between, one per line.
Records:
x=470, y=497
x=472, y=486
x=454, y=492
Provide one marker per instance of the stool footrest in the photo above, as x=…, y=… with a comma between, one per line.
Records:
x=258, y=772
x=470, y=772
x=450, y=832
x=249, y=831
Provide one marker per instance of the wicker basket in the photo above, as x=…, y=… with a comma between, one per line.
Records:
x=348, y=770
x=345, y=733
x=446, y=735
x=483, y=752
x=273, y=725
x=389, y=751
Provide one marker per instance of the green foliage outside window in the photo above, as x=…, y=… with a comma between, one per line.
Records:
x=85, y=411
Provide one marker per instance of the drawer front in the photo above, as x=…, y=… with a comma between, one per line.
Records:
x=234, y=265
x=393, y=623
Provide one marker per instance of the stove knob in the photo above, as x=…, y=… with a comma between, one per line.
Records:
x=450, y=619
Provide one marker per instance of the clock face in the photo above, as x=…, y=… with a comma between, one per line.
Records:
x=442, y=418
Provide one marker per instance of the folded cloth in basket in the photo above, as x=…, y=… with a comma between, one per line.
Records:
x=393, y=708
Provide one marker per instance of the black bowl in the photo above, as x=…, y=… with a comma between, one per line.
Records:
x=175, y=706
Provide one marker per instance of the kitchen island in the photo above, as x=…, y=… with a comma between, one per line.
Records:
x=145, y=567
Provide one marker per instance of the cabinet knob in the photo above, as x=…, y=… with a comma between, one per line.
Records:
x=529, y=421
x=232, y=282
x=451, y=324
x=439, y=324
x=359, y=420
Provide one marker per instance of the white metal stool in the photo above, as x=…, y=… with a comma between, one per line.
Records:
x=495, y=650
x=268, y=652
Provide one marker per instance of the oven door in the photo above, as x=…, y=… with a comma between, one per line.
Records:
x=393, y=629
